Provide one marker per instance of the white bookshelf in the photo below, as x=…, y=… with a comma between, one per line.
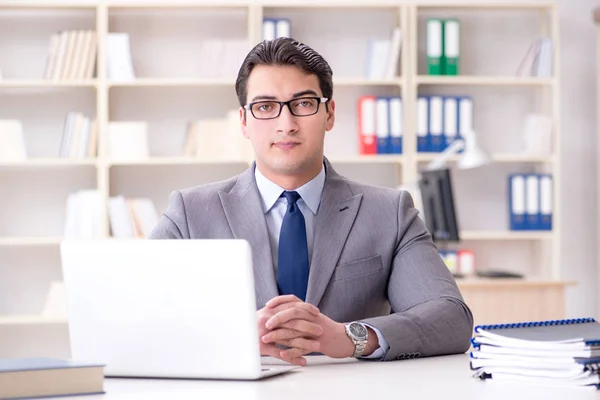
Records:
x=168, y=92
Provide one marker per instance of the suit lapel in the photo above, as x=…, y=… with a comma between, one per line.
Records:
x=246, y=219
x=337, y=211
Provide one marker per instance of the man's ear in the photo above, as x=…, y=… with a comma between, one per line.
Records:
x=243, y=124
x=330, y=115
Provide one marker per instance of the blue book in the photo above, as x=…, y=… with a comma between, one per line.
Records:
x=44, y=377
x=546, y=202
x=395, y=125
x=516, y=202
x=422, y=124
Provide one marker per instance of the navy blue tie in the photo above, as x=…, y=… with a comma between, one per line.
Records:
x=292, y=260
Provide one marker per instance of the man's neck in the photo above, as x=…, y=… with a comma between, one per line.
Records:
x=291, y=181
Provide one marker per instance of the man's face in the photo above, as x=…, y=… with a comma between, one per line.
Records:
x=288, y=144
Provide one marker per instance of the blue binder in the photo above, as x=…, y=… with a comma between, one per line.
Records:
x=532, y=201
x=396, y=125
x=422, y=124
x=516, y=202
x=546, y=202
x=437, y=142
x=382, y=124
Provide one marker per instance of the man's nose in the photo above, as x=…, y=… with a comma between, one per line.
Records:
x=286, y=122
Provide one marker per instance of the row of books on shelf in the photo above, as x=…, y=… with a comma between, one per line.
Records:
x=461, y=263
x=71, y=55
x=129, y=217
x=12, y=141
x=80, y=136
x=441, y=120
x=443, y=51
x=231, y=145
x=208, y=139
x=380, y=125
x=383, y=56
x=221, y=58
x=443, y=46
x=538, y=59
x=273, y=28
x=530, y=201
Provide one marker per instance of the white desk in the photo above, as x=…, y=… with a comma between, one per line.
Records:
x=446, y=377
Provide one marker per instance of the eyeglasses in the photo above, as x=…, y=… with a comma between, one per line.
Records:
x=300, y=107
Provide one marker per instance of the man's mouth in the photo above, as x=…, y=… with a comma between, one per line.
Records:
x=286, y=145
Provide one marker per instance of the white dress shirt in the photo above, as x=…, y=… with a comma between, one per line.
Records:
x=275, y=207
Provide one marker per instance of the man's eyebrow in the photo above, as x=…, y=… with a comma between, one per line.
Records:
x=298, y=94
x=263, y=97
x=304, y=93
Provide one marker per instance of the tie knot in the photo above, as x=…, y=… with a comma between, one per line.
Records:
x=291, y=197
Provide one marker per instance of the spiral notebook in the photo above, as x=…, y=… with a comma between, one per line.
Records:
x=579, y=333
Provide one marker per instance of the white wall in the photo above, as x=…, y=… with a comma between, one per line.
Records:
x=579, y=206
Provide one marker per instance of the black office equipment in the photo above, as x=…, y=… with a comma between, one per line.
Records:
x=438, y=205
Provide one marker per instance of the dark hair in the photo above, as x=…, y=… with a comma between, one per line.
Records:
x=284, y=51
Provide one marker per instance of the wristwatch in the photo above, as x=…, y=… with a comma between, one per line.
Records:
x=359, y=335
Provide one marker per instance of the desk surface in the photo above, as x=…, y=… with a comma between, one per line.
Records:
x=424, y=378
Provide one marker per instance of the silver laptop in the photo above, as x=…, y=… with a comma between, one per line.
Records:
x=164, y=308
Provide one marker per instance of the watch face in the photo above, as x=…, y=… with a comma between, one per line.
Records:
x=358, y=330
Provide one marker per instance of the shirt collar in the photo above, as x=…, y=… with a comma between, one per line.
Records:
x=310, y=192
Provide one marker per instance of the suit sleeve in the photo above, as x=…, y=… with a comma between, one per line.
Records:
x=173, y=222
x=429, y=316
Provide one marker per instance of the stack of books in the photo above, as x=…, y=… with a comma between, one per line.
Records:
x=552, y=353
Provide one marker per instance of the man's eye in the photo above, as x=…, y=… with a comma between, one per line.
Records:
x=265, y=107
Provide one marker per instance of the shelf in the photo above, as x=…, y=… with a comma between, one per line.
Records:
x=47, y=5
x=30, y=320
x=329, y=4
x=173, y=82
x=46, y=84
x=501, y=283
x=498, y=158
x=172, y=161
x=30, y=241
x=181, y=5
x=230, y=82
x=379, y=158
x=490, y=5
x=362, y=81
x=483, y=80
x=49, y=163
x=505, y=235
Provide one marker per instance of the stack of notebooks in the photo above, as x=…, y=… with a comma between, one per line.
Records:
x=552, y=353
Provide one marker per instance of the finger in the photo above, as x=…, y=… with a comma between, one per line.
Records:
x=275, y=352
x=304, y=306
x=270, y=350
x=286, y=298
x=302, y=344
x=285, y=316
x=304, y=327
x=293, y=329
x=294, y=356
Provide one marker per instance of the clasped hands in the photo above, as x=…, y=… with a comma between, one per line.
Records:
x=286, y=320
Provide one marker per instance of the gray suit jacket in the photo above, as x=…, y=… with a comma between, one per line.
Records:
x=373, y=259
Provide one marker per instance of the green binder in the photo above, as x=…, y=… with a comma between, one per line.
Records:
x=435, y=43
x=451, y=47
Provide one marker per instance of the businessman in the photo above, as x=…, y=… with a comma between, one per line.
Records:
x=341, y=268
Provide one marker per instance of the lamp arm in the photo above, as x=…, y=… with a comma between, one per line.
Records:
x=450, y=151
